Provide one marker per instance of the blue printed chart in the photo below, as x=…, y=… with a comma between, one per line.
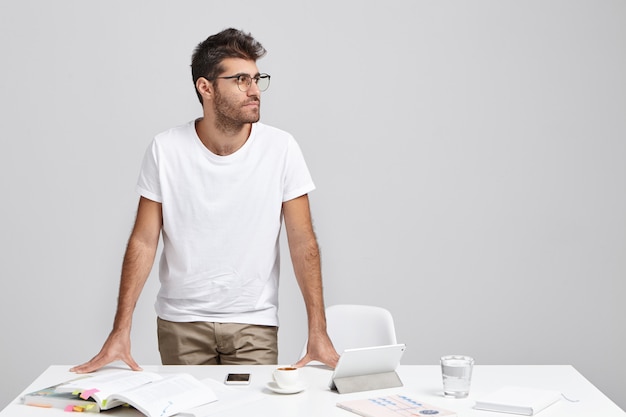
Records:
x=393, y=406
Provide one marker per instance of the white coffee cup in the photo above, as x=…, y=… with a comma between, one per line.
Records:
x=286, y=377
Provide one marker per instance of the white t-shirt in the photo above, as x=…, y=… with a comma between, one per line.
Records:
x=221, y=222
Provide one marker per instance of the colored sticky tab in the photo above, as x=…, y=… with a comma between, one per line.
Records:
x=88, y=393
x=69, y=408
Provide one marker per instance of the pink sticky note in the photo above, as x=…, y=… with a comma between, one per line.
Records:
x=88, y=393
x=69, y=408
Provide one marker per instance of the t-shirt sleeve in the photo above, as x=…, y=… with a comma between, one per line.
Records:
x=148, y=184
x=297, y=178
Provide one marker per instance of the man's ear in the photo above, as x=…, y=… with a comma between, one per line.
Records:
x=205, y=88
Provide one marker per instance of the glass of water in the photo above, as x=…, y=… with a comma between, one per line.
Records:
x=456, y=371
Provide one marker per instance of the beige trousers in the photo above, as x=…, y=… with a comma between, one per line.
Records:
x=207, y=343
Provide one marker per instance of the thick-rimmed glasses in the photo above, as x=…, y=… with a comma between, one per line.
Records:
x=244, y=81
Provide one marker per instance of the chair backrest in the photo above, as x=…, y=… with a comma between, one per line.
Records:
x=356, y=326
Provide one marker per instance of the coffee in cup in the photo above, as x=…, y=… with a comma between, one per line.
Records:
x=286, y=377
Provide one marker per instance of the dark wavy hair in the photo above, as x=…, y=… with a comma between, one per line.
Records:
x=207, y=58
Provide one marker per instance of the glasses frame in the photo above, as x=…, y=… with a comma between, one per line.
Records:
x=244, y=85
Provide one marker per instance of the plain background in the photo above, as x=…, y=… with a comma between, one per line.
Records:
x=469, y=157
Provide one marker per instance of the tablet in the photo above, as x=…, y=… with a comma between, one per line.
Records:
x=368, y=361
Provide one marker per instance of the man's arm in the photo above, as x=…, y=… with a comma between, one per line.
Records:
x=138, y=261
x=305, y=256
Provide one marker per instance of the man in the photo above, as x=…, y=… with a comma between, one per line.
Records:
x=217, y=190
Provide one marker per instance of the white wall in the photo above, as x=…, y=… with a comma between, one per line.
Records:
x=469, y=158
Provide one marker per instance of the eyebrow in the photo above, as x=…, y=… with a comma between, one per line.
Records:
x=245, y=73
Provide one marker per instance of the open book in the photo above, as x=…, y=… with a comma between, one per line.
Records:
x=153, y=394
x=49, y=397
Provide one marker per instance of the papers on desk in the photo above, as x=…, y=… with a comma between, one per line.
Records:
x=518, y=400
x=229, y=397
x=392, y=406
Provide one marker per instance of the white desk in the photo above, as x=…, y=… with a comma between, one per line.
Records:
x=422, y=383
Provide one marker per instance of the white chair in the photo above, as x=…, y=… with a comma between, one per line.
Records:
x=355, y=326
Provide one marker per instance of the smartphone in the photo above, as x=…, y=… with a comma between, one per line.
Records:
x=237, y=379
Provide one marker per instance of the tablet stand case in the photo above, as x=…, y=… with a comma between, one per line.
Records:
x=359, y=383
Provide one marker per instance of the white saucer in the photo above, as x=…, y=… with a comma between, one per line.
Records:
x=291, y=390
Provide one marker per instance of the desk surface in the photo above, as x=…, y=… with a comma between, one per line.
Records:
x=422, y=383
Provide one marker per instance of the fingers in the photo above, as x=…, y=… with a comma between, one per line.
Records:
x=116, y=347
x=328, y=358
x=132, y=364
x=103, y=359
x=321, y=349
x=88, y=367
x=302, y=362
x=95, y=364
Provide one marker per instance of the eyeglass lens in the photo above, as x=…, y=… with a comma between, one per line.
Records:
x=262, y=81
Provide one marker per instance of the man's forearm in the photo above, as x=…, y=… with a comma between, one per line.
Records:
x=136, y=267
x=305, y=257
x=307, y=267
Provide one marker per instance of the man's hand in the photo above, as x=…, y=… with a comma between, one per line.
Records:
x=138, y=260
x=116, y=347
x=320, y=348
x=305, y=257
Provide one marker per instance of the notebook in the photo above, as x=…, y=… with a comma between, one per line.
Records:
x=518, y=400
x=367, y=361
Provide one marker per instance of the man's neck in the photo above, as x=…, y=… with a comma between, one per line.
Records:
x=222, y=141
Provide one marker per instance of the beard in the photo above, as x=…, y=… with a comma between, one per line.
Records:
x=232, y=115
